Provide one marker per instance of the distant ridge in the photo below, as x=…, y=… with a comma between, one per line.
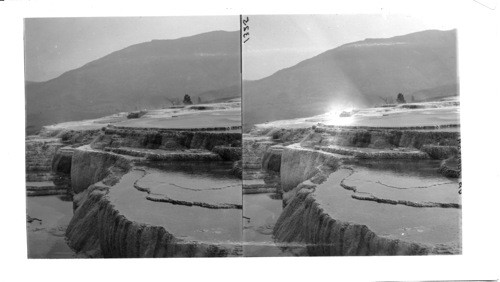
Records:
x=145, y=75
x=423, y=64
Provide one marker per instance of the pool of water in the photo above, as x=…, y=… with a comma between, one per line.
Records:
x=405, y=180
x=211, y=183
x=415, y=181
x=46, y=237
x=195, y=223
x=260, y=213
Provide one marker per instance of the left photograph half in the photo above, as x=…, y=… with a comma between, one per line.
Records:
x=133, y=137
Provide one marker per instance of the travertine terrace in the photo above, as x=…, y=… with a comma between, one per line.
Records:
x=364, y=184
x=161, y=185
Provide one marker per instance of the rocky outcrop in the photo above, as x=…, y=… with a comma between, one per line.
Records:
x=39, y=155
x=380, y=137
x=170, y=145
x=379, y=154
x=299, y=164
x=440, y=152
x=209, y=140
x=451, y=167
x=256, y=177
x=288, y=136
x=45, y=189
x=89, y=166
x=323, y=150
x=98, y=229
x=188, y=202
x=48, y=160
x=61, y=162
x=50, y=151
x=303, y=220
x=271, y=161
x=103, y=228
x=69, y=136
x=165, y=139
x=237, y=169
x=137, y=114
x=228, y=153
x=254, y=148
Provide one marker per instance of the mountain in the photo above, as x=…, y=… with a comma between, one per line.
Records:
x=356, y=75
x=145, y=75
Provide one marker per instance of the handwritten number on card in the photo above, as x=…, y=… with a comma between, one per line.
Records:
x=246, y=29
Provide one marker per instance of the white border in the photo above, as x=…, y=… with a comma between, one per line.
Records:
x=478, y=59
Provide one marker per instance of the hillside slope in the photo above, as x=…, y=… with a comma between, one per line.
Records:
x=355, y=75
x=145, y=75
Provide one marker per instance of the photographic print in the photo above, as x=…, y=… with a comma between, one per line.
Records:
x=351, y=142
x=133, y=126
x=242, y=136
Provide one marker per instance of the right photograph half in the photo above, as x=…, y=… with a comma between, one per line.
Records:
x=351, y=143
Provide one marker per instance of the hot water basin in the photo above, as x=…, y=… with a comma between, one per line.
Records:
x=208, y=184
x=393, y=202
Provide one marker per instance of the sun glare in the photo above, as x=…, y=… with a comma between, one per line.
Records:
x=338, y=115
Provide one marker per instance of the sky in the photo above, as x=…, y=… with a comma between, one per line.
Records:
x=281, y=41
x=56, y=45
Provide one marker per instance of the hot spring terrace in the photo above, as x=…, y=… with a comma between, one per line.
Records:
x=373, y=184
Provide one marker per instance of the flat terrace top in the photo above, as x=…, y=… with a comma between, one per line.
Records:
x=444, y=114
x=202, y=116
x=185, y=186
x=199, y=119
x=400, y=200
